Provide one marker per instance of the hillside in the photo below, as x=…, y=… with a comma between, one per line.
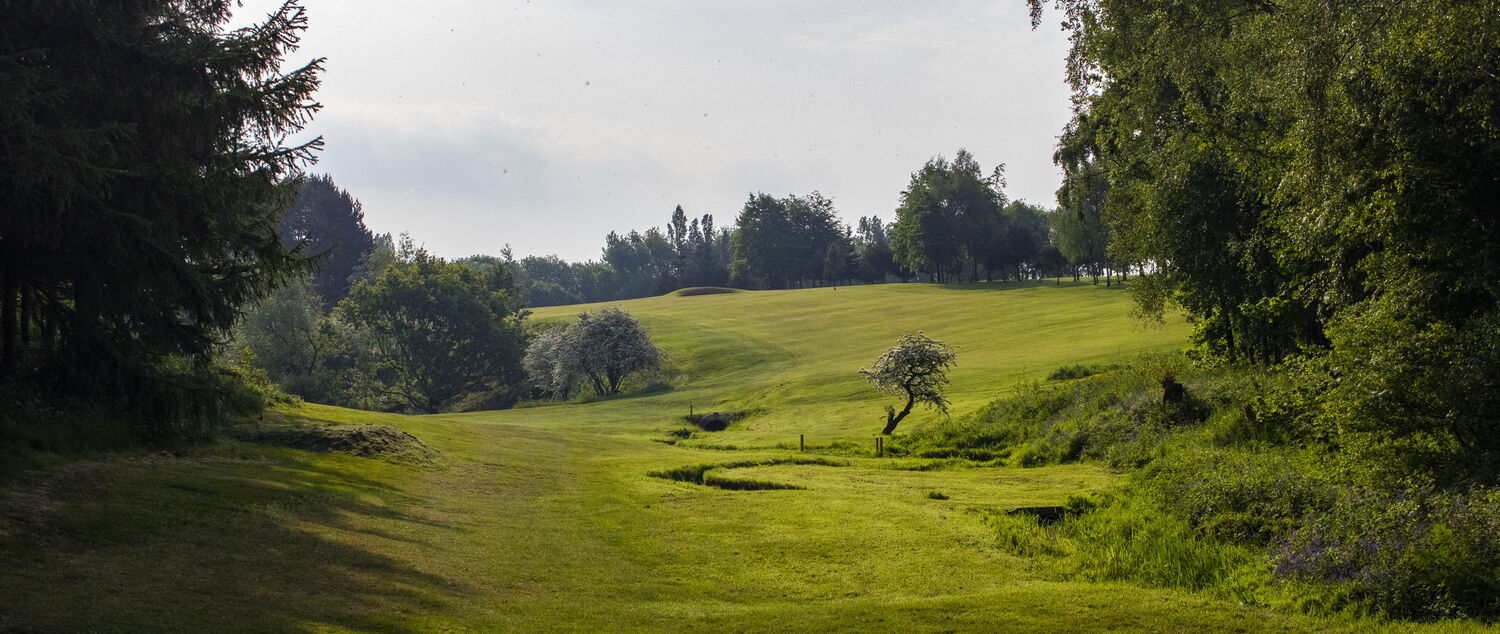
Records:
x=793, y=356
x=546, y=518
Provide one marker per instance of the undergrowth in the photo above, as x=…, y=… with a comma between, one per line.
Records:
x=1237, y=490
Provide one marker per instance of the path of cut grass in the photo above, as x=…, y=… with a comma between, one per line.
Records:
x=544, y=519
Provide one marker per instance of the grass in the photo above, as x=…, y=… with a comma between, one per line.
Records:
x=545, y=518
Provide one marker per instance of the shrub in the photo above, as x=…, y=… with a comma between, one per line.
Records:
x=1417, y=553
x=1079, y=371
x=1126, y=536
x=1251, y=494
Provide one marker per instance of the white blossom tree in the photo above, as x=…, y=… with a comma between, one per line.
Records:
x=604, y=347
x=542, y=365
x=917, y=368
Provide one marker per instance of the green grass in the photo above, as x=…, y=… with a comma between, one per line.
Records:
x=547, y=518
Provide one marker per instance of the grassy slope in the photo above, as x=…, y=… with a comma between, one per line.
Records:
x=795, y=354
x=543, y=518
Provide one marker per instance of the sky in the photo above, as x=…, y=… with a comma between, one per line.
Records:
x=473, y=124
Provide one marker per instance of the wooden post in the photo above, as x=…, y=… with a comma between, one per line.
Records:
x=802, y=442
x=690, y=410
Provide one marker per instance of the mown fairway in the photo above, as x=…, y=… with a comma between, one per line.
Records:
x=544, y=518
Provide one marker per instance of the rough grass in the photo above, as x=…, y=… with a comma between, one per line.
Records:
x=543, y=519
x=366, y=441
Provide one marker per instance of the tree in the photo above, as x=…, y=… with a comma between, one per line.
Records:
x=1308, y=180
x=546, y=366
x=328, y=224
x=146, y=163
x=441, y=330
x=950, y=216
x=782, y=241
x=917, y=368
x=604, y=346
x=300, y=348
x=835, y=263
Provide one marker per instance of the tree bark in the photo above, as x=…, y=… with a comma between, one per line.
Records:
x=892, y=418
x=8, y=343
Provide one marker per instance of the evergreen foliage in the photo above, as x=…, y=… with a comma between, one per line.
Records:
x=328, y=224
x=146, y=151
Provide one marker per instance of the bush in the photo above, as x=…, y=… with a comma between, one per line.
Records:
x=1079, y=371
x=1418, y=553
x=1126, y=536
x=1246, y=494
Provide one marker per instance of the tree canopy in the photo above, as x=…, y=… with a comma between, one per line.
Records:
x=1307, y=179
x=146, y=154
x=603, y=347
x=950, y=219
x=441, y=330
x=328, y=224
x=916, y=368
x=780, y=241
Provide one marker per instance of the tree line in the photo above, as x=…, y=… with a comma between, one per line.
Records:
x=952, y=224
x=164, y=249
x=1315, y=185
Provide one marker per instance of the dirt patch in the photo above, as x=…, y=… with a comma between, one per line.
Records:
x=366, y=441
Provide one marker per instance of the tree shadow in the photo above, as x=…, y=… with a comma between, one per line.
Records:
x=291, y=543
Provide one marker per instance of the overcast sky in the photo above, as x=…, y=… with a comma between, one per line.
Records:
x=544, y=124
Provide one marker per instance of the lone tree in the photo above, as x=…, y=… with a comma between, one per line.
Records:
x=917, y=368
x=603, y=347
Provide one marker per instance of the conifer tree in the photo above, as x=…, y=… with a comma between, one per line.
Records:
x=147, y=151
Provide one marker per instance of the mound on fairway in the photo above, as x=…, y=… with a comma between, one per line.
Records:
x=703, y=290
x=365, y=441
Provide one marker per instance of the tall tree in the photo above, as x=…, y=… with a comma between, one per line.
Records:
x=1304, y=176
x=441, y=330
x=782, y=241
x=949, y=216
x=328, y=224
x=146, y=158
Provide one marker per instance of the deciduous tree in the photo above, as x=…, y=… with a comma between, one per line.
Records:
x=916, y=368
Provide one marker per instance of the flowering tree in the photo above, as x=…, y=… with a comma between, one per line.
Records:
x=917, y=368
x=604, y=347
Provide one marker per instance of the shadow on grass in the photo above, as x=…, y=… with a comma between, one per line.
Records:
x=286, y=543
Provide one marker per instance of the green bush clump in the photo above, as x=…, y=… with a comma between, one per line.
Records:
x=1127, y=536
x=1415, y=554
x=1249, y=494
x=1079, y=371
x=1120, y=417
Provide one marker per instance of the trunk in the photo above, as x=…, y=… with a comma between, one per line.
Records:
x=892, y=418
x=49, y=322
x=8, y=343
x=28, y=314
